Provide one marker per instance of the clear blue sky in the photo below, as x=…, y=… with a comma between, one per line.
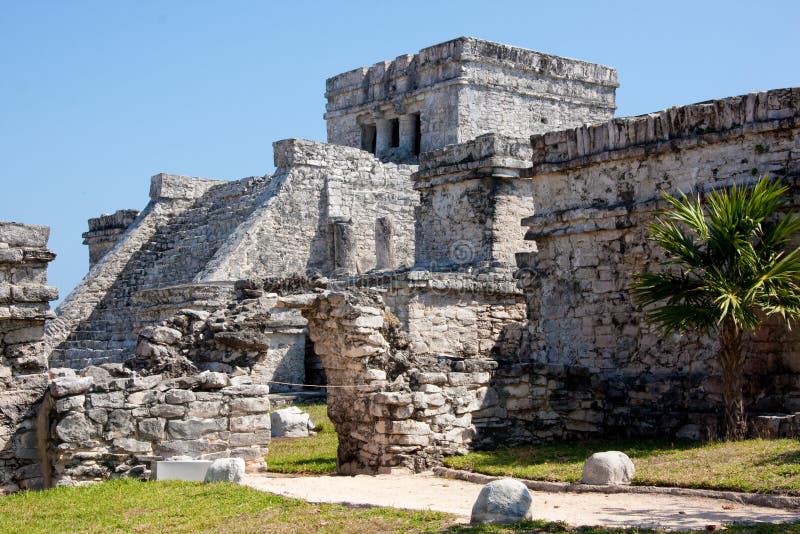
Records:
x=95, y=97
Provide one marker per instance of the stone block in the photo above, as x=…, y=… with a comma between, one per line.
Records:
x=178, y=396
x=65, y=386
x=246, y=405
x=250, y=423
x=74, y=428
x=168, y=411
x=152, y=429
x=188, y=470
x=193, y=428
x=133, y=446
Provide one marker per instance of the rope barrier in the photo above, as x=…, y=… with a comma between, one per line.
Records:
x=318, y=386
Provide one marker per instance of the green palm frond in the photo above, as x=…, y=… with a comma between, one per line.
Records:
x=733, y=260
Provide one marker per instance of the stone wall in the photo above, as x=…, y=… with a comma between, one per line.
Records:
x=596, y=190
x=24, y=308
x=109, y=423
x=321, y=185
x=392, y=410
x=452, y=314
x=464, y=88
x=246, y=335
x=471, y=199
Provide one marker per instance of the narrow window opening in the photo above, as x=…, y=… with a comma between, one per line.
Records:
x=395, y=127
x=416, y=124
x=368, y=137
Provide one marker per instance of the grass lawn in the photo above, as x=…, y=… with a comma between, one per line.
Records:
x=157, y=507
x=753, y=465
x=315, y=455
x=174, y=507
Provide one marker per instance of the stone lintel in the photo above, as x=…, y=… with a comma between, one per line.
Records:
x=173, y=186
x=487, y=155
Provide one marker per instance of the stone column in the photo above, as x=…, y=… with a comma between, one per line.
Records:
x=384, y=243
x=407, y=134
x=383, y=139
x=344, y=248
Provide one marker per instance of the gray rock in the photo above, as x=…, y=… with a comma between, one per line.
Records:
x=291, y=422
x=226, y=470
x=100, y=375
x=74, y=428
x=65, y=386
x=161, y=334
x=502, y=501
x=608, y=468
x=179, y=396
x=210, y=380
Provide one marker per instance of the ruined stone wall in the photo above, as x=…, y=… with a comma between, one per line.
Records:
x=245, y=335
x=454, y=314
x=391, y=409
x=24, y=308
x=596, y=190
x=110, y=423
x=471, y=198
x=201, y=232
x=320, y=184
x=105, y=231
x=464, y=88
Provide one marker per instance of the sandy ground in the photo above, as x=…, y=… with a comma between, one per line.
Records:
x=427, y=492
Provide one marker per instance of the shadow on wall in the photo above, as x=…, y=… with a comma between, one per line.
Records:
x=536, y=395
x=24, y=459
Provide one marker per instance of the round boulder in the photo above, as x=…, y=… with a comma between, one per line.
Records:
x=291, y=422
x=502, y=501
x=610, y=468
x=226, y=470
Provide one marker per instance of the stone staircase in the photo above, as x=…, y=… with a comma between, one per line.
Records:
x=177, y=251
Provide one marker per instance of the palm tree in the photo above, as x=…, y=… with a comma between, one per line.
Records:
x=729, y=266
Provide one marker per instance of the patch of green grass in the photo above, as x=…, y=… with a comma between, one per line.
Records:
x=155, y=507
x=315, y=455
x=754, y=465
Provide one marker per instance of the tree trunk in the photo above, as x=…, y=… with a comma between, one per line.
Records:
x=731, y=360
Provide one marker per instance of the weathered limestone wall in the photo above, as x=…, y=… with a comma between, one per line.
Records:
x=320, y=185
x=596, y=190
x=24, y=308
x=471, y=199
x=391, y=409
x=462, y=89
x=453, y=314
x=110, y=423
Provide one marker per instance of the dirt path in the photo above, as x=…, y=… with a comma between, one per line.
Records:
x=425, y=491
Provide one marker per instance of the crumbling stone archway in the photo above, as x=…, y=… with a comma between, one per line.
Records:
x=392, y=410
